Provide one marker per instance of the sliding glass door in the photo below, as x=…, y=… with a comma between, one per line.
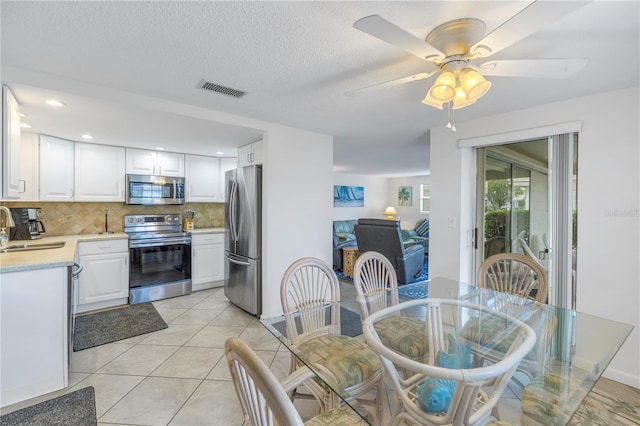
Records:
x=526, y=196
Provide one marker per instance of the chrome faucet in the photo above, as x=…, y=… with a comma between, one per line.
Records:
x=9, y=221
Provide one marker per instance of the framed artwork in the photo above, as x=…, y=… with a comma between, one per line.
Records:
x=348, y=196
x=405, y=196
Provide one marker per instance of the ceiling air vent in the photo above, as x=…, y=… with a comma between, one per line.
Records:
x=223, y=90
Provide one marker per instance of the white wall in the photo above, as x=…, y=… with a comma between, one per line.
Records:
x=608, y=205
x=375, y=196
x=409, y=215
x=297, y=206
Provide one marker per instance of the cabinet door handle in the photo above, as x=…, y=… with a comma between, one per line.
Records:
x=24, y=186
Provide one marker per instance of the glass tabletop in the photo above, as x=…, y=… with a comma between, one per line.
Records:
x=571, y=346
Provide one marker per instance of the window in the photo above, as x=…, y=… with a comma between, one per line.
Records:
x=424, y=199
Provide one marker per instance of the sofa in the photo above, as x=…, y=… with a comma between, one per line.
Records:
x=343, y=236
x=419, y=235
x=385, y=237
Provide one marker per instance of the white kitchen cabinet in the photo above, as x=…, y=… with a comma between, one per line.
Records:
x=226, y=164
x=250, y=154
x=29, y=166
x=202, y=176
x=56, y=169
x=104, y=280
x=207, y=261
x=144, y=162
x=10, y=145
x=33, y=338
x=99, y=172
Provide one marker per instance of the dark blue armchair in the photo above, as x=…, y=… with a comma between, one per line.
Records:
x=385, y=237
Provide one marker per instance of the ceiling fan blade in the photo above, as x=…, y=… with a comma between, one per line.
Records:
x=384, y=30
x=529, y=20
x=536, y=68
x=391, y=83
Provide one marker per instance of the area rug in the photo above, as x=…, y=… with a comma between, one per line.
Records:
x=117, y=324
x=423, y=276
x=350, y=324
x=73, y=409
x=609, y=403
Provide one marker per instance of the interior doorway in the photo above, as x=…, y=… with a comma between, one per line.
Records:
x=526, y=203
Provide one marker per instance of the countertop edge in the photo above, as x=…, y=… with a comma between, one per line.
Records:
x=50, y=258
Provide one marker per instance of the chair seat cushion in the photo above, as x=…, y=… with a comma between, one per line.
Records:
x=486, y=330
x=338, y=417
x=350, y=361
x=407, y=336
x=544, y=398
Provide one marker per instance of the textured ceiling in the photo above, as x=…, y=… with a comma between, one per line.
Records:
x=295, y=59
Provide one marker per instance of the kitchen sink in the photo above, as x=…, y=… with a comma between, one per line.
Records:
x=32, y=246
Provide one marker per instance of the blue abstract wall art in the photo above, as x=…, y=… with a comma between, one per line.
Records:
x=348, y=196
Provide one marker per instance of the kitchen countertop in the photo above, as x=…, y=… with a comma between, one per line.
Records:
x=207, y=231
x=49, y=258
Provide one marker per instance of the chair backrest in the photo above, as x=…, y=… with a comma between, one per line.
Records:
x=309, y=293
x=380, y=235
x=373, y=277
x=514, y=274
x=263, y=400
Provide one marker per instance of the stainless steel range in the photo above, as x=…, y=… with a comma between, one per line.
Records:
x=159, y=255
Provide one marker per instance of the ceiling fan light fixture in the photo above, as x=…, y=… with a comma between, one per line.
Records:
x=461, y=100
x=432, y=102
x=474, y=84
x=444, y=89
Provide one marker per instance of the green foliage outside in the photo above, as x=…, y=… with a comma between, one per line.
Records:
x=496, y=223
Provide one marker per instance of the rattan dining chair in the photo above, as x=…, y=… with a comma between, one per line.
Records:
x=264, y=399
x=517, y=275
x=376, y=286
x=310, y=295
x=474, y=392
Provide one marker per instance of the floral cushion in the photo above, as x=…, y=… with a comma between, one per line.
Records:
x=543, y=400
x=488, y=331
x=350, y=361
x=406, y=336
x=339, y=417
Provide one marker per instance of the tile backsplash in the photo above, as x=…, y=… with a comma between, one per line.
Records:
x=88, y=218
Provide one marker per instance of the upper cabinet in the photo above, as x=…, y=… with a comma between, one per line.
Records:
x=250, y=154
x=202, y=176
x=10, y=145
x=29, y=166
x=143, y=162
x=56, y=169
x=99, y=172
x=226, y=164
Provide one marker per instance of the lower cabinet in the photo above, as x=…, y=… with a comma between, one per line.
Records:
x=104, y=280
x=33, y=338
x=207, y=261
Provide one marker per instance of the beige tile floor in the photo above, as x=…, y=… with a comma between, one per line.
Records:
x=178, y=376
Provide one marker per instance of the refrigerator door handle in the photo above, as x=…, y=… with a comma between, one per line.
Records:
x=232, y=211
x=236, y=261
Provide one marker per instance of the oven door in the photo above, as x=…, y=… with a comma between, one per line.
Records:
x=160, y=264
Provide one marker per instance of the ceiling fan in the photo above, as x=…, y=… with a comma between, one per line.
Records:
x=453, y=47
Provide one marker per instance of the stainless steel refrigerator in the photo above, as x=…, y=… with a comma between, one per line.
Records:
x=243, y=238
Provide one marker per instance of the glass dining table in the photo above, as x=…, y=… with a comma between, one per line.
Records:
x=571, y=352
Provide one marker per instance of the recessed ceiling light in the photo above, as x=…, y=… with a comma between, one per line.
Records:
x=22, y=114
x=219, y=153
x=159, y=148
x=25, y=126
x=86, y=136
x=55, y=102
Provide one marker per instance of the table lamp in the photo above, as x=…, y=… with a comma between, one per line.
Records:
x=390, y=212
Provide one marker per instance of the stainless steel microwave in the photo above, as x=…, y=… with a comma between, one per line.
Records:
x=154, y=190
